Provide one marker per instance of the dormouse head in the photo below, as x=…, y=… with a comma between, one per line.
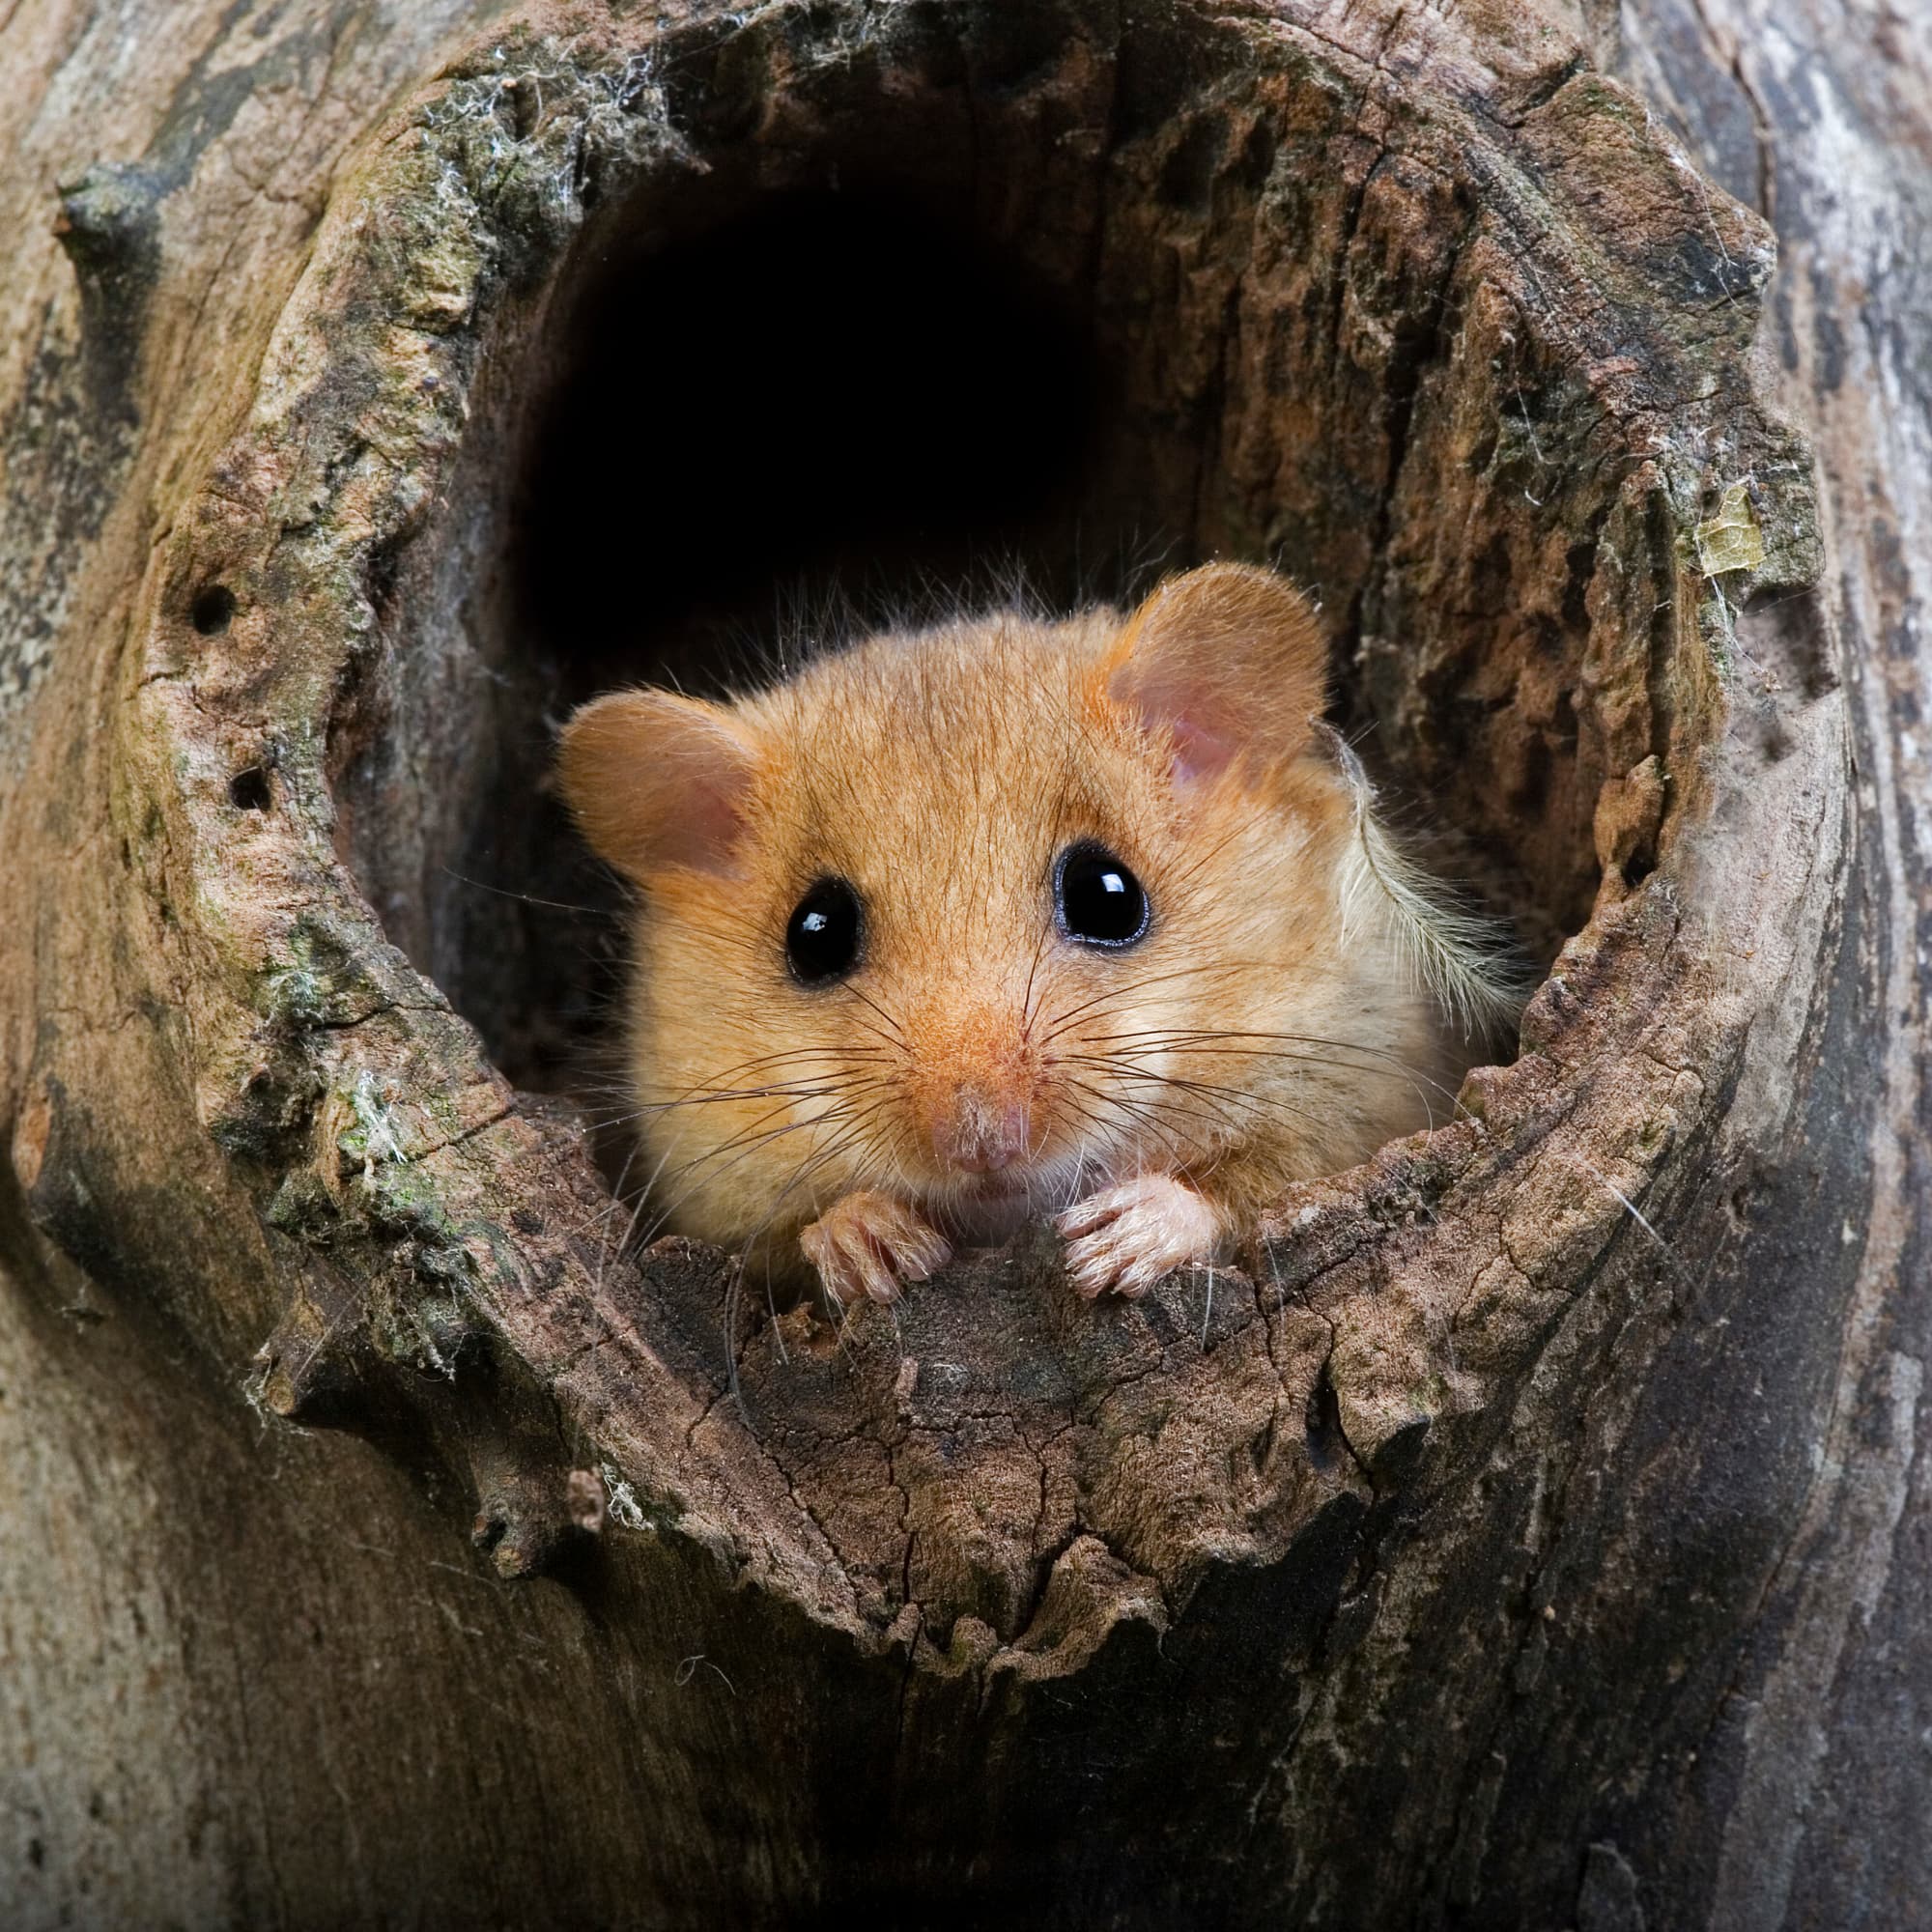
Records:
x=987, y=914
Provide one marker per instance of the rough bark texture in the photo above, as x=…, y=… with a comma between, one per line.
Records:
x=1523, y=1534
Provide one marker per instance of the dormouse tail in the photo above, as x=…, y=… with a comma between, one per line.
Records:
x=1463, y=960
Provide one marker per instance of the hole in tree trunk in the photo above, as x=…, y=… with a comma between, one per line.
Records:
x=249, y=790
x=830, y=407
x=780, y=397
x=854, y=299
x=213, y=611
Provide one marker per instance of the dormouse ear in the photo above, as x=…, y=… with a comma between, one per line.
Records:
x=1229, y=659
x=655, y=780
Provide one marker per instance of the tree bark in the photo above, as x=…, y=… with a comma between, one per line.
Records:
x=1522, y=1534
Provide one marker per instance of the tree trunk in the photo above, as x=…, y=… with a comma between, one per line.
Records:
x=1522, y=1534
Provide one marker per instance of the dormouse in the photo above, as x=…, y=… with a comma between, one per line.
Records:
x=1008, y=918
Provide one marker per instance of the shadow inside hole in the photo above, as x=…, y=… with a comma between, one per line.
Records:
x=248, y=790
x=839, y=409
x=213, y=611
x=831, y=412
x=835, y=413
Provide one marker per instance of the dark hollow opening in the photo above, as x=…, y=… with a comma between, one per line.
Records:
x=212, y=610
x=761, y=404
x=248, y=790
x=832, y=408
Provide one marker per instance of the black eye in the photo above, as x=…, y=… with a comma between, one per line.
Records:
x=1099, y=901
x=822, y=934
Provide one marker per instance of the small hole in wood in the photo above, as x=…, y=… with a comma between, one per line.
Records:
x=212, y=610
x=250, y=792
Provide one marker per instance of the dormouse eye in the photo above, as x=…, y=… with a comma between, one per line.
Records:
x=1099, y=901
x=823, y=935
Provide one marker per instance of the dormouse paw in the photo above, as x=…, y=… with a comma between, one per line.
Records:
x=867, y=1243
x=1126, y=1237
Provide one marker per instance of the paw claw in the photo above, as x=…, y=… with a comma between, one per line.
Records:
x=867, y=1243
x=1123, y=1239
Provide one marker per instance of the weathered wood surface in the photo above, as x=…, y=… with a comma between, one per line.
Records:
x=1821, y=116
x=1580, y=1434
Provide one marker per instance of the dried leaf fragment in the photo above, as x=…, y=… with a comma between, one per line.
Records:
x=1732, y=540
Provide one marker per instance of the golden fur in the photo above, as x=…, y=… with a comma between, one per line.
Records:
x=1271, y=1025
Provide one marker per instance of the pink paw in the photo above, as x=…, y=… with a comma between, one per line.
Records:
x=869, y=1243
x=1126, y=1237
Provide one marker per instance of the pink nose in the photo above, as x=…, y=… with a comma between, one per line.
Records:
x=980, y=1135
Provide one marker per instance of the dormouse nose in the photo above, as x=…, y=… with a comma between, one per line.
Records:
x=982, y=1130
x=976, y=1089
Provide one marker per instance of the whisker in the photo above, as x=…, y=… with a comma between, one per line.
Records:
x=893, y=1031
x=842, y=1119
x=782, y=1092
x=528, y=898
x=1032, y=970
x=1208, y=1091
x=1182, y=1042
x=742, y=1147
x=1139, y=1115
x=1207, y=1114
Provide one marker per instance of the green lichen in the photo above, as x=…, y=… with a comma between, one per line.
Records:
x=318, y=984
x=373, y=1137
x=295, y=996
